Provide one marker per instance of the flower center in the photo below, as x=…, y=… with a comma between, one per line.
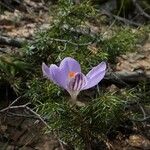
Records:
x=71, y=74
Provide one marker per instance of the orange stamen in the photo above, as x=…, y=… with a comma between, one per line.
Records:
x=71, y=74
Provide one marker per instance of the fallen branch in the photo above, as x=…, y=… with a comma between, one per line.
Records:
x=140, y=9
x=124, y=20
x=16, y=42
x=124, y=78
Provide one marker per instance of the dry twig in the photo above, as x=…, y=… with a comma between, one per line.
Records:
x=124, y=20
x=140, y=9
x=36, y=116
x=69, y=42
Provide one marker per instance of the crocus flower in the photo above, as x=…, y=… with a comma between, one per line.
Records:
x=69, y=76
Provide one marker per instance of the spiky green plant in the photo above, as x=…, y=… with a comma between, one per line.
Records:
x=12, y=71
x=76, y=125
x=80, y=126
x=66, y=37
x=122, y=41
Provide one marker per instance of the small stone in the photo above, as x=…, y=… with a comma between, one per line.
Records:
x=26, y=148
x=10, y=147
x=3, y=128
x=139, y=141
x=113, y=88
x=46, y=143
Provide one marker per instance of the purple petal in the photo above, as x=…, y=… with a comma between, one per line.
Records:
x=77, y=83
x=58, y=77
x=95, y=75
x=99, y=68
x=54, y=74
x=69, y=64
x=46, y=71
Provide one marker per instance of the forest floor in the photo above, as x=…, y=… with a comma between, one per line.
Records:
x=21, y=133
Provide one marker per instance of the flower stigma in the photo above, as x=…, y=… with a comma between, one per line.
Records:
x=71, y=74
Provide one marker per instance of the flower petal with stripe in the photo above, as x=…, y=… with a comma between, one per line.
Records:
x=76, y=84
